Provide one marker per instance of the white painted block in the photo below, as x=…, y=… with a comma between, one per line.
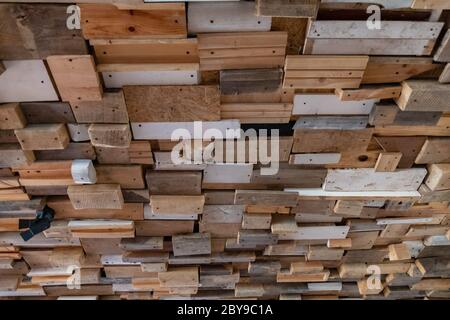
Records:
x=329, y=104
x=83, y=171
x=164, y=130
x=152, y=78
x=225, y=17
x=26, y=81
x=78, y=132
x=369, y=180
x=228, y=173
x=315, y=158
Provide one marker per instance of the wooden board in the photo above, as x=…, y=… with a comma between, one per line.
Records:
x=424, y=95
x=186, y=103
x=35, y=31
x=252, y=197
x=111, y=109
x=71, y=152
x=167, y=182
x=75, y=77
x=370, y=180
x=47, y=112
x=26, y=80
x=438, y=176
x=434, y=150
x=296, y=8
x=43, y=137
x=189, y=75
x=443, y=51
x=328, y=104
x=177, y=204
x=127, y=176
x=409, y=147
x=191, y=244
x=323, y=72
x=103, y=21
x=12, y=116
x=230, y=16
x=227, y=173
x=110, y=135
x=369, y=92
x=98, y=196
x=246, y=50
x=235, y=82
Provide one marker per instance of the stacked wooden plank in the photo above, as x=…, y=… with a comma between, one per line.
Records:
x=144, y=132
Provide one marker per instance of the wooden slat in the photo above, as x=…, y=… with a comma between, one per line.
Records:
x=99, y=196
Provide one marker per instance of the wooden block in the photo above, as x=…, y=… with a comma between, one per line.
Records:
x=110, y=135
x=395, y=69
x=399, y=252
x=47, y=112
x=12, y=155
x=428, y=196
x=366, y=287
x=127, y=176
x=177, y=204
x=235, y=82
x=331, y=123
x=445, y=75
x=191, y=244
x=101, y=229
x=227, y=173
x=172, y=103
x=319, y=253
x=388, y=161
x=443, y=51
x=315, y=158
x=323, y=72
x=309, y=277
x=390, y=114
x=71, y=152
x=257, y=112
x=424, y=95
x=145, y=51
x=256, y=221
x=319, y=141
x=11, y=116
x=340, y=243
x=142, y=243
x=26, y=81
x=167, y=182
x=296, y=8
x=244, y=50
x=154, y=267
x=430, y=4
x=111, y=109
x=179, y=277
x=394, y=38
x=160, y=228
x=369, y=92
x=369, y=180
x=409, y=147
x=256, y=237
x=100, y=196
x=23, y=22
x=348, y=208
x=251, y=197
x=225, y=17
x=105, y=21
x=318, y=104
x=306, y=267
x=438, y=176
x=432, y=284
x=434, y=150
x=83, y=171
x=43, y=137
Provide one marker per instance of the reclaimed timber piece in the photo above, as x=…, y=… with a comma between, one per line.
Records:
x=334, y=141
x=11, y=117
x=331, y=123
x=99, y=196
x=179, y=277
x=139, y=152
x=445, y=75
x=235, y=82
x=257, y=112
x=83, y=84
x=101, y=229
x=127, y=176
x=191, y=244
x=390, y=114
x=324, y=72
x=398, y=252
x=30, y=32
x=395, y=69
x=388, y=161
x=243, y=50
x=161, y=204
x=111, y=109
x=353, y=37
x=232, y=16
x=105, y=21
x=430, y=4
x=348, y=208
x=26, y=81
x=370, y=180
x=315, y=158
x=428, y=195
x=443, y=51
x=71, y=152
x=110, y=135
x=314, y=233
x=289, y=8
x=256, y=221
x=145, y=51
x=13, y=155
x=409, y=147
x=438, y=177
x=424, y=95
x=47, y=112
x=172, y=103
x=299, y=277
x=252, y=197
x=434, y=150
x=43, y=137
x=369, y=92
x=167, y=182
x=227, y=173
x=329, y=104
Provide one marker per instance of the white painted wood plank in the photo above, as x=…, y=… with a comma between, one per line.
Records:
x=411, y=220
x=316, y=233
x=325, y=286
x=352, y=29
x=329, y=104
x=163, y=161
x=315, y=158
x=332, y=122
x=78, y=132
x=388, y=4
x=225, y=17
x=164, y=130
x=369, y=180
x=382, y=47
x=228, y=173
x=26, y=81
x=151, y=78
x=363, y=195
